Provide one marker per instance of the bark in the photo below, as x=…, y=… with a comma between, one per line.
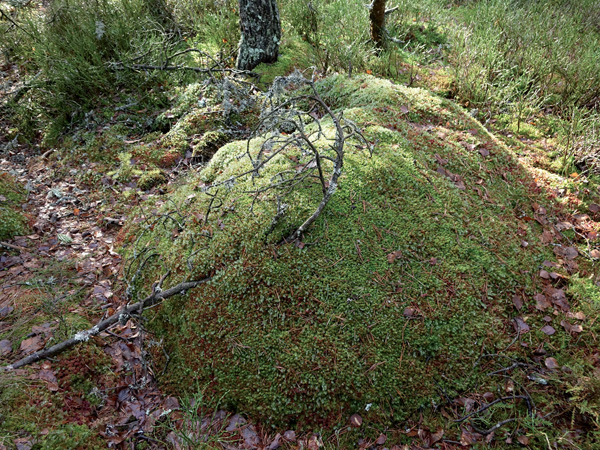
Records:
x=261, y=33
x=377, y=16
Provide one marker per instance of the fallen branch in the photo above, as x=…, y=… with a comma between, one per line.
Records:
x=14, y=247
x=156, y=297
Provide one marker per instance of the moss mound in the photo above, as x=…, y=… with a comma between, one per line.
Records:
x=12, y=221
x=398, y=288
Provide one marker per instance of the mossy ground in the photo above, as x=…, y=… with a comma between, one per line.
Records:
x=12, y=220
x=312, y=334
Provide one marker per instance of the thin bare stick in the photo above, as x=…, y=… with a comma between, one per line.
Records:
x=156, y=297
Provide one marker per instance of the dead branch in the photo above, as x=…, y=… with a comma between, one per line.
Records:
x=14, y=247
x=153, y=299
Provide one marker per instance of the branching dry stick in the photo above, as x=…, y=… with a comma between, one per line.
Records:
x=83, y=336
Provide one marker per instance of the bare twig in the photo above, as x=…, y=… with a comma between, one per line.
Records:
x=156, y=297
x=14, y=247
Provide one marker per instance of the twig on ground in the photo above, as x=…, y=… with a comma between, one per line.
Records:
x=14, y=247
x=156, y=297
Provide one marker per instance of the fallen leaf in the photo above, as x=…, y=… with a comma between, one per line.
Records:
x=595, y=254
x=381, y=439
x=518, y=302
x=437, y=436
x=579, y=315
x=251, y=439
x=524, y=440
x=290, y=435
x=235, y=422
x=48, y=376
x=5, y=347
x=391, y=257
x=571, y=328
x=551, y=363
x=544, y=274
x=355, y=420
x=275, y=444
x=548, y=330
x=484, y=152
x=33, y=344
x=594, y=208
x=520, y=325
x=571, y=253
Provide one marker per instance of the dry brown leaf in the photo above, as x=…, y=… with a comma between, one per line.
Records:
x=551, y=363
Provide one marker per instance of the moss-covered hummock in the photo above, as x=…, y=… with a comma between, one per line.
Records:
x=209, y=144
x=12, y=220
x=395, y=292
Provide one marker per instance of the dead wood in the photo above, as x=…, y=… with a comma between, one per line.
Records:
x=153, y=299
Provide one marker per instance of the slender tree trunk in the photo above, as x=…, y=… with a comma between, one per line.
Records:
x=261, y=33
x=377, y=17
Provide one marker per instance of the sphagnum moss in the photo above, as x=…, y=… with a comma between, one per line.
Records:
x=311, y=334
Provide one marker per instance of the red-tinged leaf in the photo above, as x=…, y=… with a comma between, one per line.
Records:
x=548, y=330
x=520, y=325
x=595, y=254
x=355, y=420
x=594, y=208
x=381, y=439
x=551, y=363
x=571, y=328
x=518, y=302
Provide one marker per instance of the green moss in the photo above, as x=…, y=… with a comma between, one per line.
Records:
x=71, y=437
x=196, y=121
x=292, y=334
x=12, y=221
x=209, y=144
x=152, y=178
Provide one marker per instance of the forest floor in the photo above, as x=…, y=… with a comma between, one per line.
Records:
x=66, y=275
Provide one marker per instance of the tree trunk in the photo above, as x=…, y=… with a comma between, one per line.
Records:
x=377, y=17
x=261, y=33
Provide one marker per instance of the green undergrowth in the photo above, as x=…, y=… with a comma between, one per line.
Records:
x=395, y=291
x=12, y=220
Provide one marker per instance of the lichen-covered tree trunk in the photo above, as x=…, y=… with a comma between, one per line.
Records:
x=377, y=17
x=261, y=33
